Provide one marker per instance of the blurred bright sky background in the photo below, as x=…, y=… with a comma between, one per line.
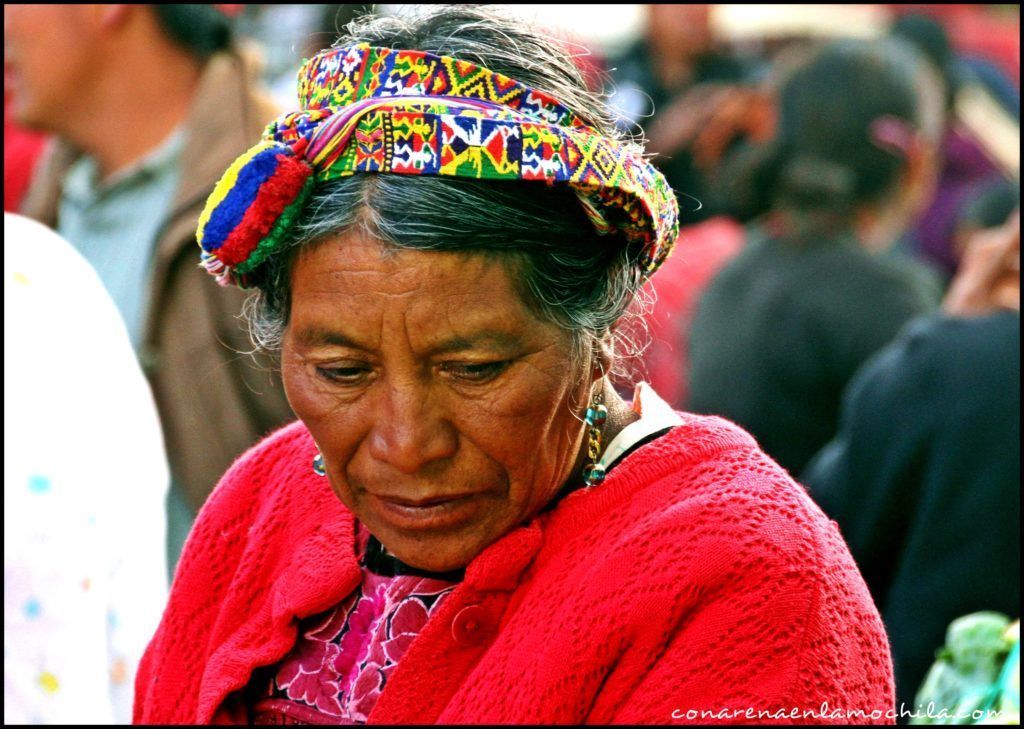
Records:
x=610, y=27
x=289, y=33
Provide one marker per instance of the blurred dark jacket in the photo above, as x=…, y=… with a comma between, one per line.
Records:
x=214, y=403
x=924, y=480
x=782, y=329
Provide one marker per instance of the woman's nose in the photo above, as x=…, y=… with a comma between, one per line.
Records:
x=410, y=431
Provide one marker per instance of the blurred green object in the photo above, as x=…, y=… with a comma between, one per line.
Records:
x=976, y=676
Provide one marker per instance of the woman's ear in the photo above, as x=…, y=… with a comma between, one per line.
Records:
x=603, y=354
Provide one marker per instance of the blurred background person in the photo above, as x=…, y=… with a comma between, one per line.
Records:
x=985, y=42
x=783, y=327
x=150, y=103
x=965, y=166
x=85, y=480
x=726, y=129
x=668, y=81
x=923, y=477
x=696, y=98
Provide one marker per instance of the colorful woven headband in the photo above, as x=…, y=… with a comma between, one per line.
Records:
x=367, y=109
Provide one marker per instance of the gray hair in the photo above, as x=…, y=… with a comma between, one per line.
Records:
x=567, y=274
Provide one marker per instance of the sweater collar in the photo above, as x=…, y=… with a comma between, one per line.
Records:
x=655, y=415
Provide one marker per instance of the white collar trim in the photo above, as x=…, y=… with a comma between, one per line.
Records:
x=655, y=414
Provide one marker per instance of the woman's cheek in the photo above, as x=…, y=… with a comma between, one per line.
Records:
x=311, y=397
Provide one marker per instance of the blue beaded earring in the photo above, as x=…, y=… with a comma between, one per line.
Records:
x=318, y=465
x=596, y=416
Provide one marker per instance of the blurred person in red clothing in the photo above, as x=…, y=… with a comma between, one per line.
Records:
x=148, y=103
x=704, y=249
x=468, y=524
x=744, y=113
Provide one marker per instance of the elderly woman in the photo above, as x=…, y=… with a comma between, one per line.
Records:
x=467, y=524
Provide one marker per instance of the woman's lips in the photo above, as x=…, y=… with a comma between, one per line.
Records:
x=438, y=512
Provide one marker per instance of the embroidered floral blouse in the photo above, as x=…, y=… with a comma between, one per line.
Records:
x=343, y=657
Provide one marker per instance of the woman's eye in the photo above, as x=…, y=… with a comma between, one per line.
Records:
x=475, y=371
x=343, y=375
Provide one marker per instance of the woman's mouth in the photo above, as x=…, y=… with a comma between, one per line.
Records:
x=426, y=513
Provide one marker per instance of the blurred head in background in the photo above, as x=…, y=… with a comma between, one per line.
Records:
x=681, y=31
x=678, y=35
x=75, y=70
x=855, y=146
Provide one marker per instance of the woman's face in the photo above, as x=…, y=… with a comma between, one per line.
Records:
x=445, y=410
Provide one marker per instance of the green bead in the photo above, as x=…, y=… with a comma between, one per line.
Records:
x=596, y=415
x=593, y=474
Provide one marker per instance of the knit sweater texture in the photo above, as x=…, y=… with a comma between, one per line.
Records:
x=698, y=577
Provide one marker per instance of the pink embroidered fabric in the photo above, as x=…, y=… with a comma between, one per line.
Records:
x=343, y=657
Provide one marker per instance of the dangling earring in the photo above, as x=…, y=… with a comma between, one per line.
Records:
x=318, y=465
x=596, y=416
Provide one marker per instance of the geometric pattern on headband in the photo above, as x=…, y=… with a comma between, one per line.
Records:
x=380, y=110
x=343, y=76
x=416, y=135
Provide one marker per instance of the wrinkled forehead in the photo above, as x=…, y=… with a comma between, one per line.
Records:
x=362, y=288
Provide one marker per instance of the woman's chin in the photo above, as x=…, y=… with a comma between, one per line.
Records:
x=439, y=550
x=430, y=558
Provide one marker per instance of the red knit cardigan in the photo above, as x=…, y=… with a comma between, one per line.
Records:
x=699, y=577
